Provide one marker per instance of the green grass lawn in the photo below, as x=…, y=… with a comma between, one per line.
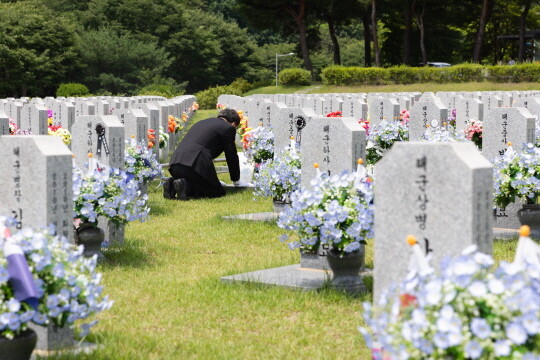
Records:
x=171, y=304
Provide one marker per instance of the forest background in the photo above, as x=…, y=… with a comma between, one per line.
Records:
x=128, y=47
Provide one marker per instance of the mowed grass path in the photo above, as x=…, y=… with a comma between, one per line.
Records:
x=171, y=304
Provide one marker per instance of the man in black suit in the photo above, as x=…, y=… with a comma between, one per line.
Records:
x=191, y=166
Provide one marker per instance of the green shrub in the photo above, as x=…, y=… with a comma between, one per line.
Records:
x=241, y=85
x=207, y=99
x=350, y=76
x=294, y=76
x=166, y=90
x=72, y=89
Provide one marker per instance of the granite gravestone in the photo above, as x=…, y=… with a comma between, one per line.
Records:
x=152, y=113
x=445, y=201
x=102, y=136
x=63, y=114
x=102, y=107
x=503, y=126
x=290, y=122
x=467, y=109
x=37, y=182
x=355, y=108
x=34, y=119
x=424, y=114
x=13, y=111
x=84, y=107
x=335, y=144
x=135, y=123
x=491, y=101
x=383, y=109
x=276, y=108
x=4, y=123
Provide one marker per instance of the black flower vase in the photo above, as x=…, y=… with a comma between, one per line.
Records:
x=346, y=270
x=529, y=215
x=18, y=348
x=91, y=237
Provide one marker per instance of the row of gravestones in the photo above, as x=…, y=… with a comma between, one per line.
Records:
x=31, y=114
x=336, y=143
x=440, y=192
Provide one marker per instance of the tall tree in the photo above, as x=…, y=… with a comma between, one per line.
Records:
x=522, y=28
x=374, y=31
x=407, y=12
x=366, y=22
x=487, y=7
x=266, y=14
x=419, y=11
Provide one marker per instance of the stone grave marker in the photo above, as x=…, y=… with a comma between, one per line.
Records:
x=84, y=107
x=383, y=109
x=467, y=109
x=13, y=111
x=36, y=182
x=445, y=201
x=102, y=107
x=491, y=101
x=135, y=123
x=4, y=123
x=424, y=114
x=501, y=126
x=152, y=113
x=335, y=144
x=276, y=108
x=291, y=122
x=34, y=119
x=355, y=108
x=64, y=113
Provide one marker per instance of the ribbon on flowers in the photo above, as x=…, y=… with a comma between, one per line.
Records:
x=20, y=277
x=100, y=131
x=419, y=262
x=527, y=251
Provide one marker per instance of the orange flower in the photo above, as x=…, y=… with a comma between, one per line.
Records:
x=150, y=144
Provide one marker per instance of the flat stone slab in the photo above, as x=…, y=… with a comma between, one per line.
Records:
x=78, y=348
x=290, y=276
x=505, y=234
x=262, y=216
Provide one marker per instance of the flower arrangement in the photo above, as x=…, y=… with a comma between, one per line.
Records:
x=68, y=286
x=109, y=193
x=334, y=114
x=365, y=124
x=140, y=162
x=404, y=116
x=280, y=177
x=50, y=117
x=259, y=144
x=151, y=138
x=13, y=128
x=516, y=175
x=14, y=315
x=473, y=132
x=452, y=118
x=163, y=138
x=382, y=137
x=58, y=130
x=174, y=125
x=243, y=128
x=221, y=106
x=465, y=311
x=184, y=118
x=194, y=106
x=338, y=212
x=442, y=134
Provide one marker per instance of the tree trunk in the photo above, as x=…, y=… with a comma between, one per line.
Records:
x=376, y=49
x=407, y=34
x=367, y=39
x=333, y=37
x=522, y=25
x=484, y=18
x=420, y=22
x=301, y=26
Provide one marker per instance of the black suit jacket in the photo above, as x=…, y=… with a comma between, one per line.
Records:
x=204, y=142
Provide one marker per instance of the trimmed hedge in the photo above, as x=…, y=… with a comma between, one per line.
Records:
x=294, y=76
x=72, y=89
x=207, y=99
x=350, y=76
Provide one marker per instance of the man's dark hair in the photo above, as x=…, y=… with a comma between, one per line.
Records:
x=230, y=115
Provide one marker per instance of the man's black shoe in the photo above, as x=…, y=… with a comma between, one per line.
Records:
x=168, y=189
x=180, y=186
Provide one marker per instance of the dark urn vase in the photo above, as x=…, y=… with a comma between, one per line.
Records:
x=346, y=269
x=529, y=215
x=18, y=348
x=280, y=205
x=91, y=237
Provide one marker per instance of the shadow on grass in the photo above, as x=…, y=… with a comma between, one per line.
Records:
x=127, y=255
